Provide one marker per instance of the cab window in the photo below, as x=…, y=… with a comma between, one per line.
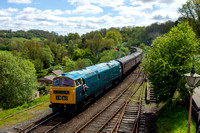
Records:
x=78, y=82
x=63, y=82
x=57, y=82
x=68, y=82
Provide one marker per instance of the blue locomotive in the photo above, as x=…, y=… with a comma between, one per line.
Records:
x=66, y=92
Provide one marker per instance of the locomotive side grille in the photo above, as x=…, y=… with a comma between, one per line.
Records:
x=61, y=92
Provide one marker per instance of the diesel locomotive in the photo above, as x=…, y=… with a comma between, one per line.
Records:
x=66, y=92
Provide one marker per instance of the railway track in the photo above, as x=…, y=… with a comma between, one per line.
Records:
x=44, y=125
x=122, y=114
x=109, y=115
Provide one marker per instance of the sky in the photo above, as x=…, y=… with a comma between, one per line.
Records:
x=82, y=16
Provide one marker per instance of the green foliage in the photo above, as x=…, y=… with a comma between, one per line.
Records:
x=15, y=45
x=42, y=73
x=65, y=60
x=34, y=50
x=37, y=39
x=81, y=54
x=71, y=48
x=43, y=90
x=70, y=66
x=123, y=51
x=58, y=51
x=95, y=44
x=170, y=57
x=18, y=80
x=115, y=35
x=38, y=65
x=82, y=63
x=190, y=12
x=173, y=119
x=108, y=55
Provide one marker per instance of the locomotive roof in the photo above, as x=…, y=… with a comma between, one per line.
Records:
x=91, y=70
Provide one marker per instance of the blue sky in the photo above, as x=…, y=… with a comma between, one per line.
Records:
x=82, y=16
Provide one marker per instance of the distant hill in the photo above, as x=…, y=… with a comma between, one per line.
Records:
x=27, y=34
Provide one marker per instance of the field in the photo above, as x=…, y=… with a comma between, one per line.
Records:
x=23, y=39
x=174, y=119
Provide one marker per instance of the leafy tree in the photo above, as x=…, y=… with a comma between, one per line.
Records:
x=15, y=45
x=70, y=66
x=47, y=56
x=107, y=44
x=82, y=63
x=95, y=44
x=65, y=60
x=73, y=37
x=38, y=65
x=33, y=50
x=71, y=48
x=18, y=80
x=108, y=55
x=190, y=11
x=115, y=35
x=170, y=57
x=123, y=51
x=58, y=50
x=81, y=54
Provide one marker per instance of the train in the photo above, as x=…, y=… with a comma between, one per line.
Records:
x=66, y=91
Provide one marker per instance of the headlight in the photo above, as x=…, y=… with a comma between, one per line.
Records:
x=64, y=98
x=58, y=97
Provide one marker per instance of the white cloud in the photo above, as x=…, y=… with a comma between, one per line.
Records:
x=102, y=3
x=79, y=2
x=20, y=1
x=108, y=3
x=87, y=9
x=8, y=11
x=83, y=18
x=28, y=10
x=5, y=19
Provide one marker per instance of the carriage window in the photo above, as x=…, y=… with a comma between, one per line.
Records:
x=78, y=82
x=98, y=76
x=68, y=82
x=57, y=82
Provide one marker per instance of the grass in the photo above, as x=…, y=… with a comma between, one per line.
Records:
x=25, y=116
x=36, y=39
x=8, y=112
x=174, y=119
x=22, y=39
x=1, y=51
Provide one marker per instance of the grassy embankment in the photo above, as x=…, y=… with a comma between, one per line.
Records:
x=23, y=116
x=22, y=39
x=174, y=119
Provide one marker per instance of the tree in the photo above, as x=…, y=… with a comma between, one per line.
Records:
x=115, y=35
x=18, y=80
x=82, y=63
x=170, y=57
x=70, y=66
x=81, y=54
x=108, y=55
x=33, y=50
x=190, y=11
x=95, y=44
x=71, y=48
